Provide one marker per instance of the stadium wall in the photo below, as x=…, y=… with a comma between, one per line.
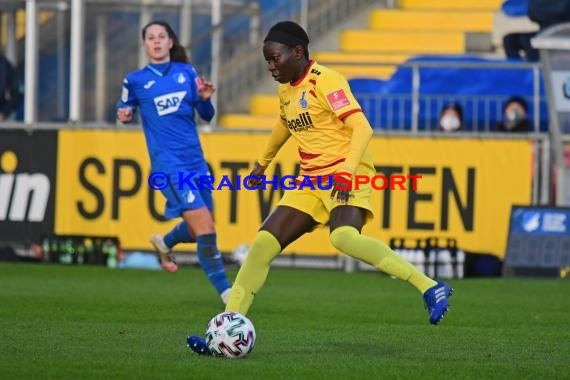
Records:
x=94, y=182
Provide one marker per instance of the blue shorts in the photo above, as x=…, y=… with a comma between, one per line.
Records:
x=179, y=200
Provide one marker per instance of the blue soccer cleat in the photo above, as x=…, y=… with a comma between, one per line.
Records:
x=198, y=345
x=435, y=299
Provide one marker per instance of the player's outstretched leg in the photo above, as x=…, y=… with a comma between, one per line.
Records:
x=436, y=301
x=198, y=345
x=348, y=239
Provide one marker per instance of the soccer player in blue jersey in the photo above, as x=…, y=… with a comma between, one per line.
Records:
x=168, y=92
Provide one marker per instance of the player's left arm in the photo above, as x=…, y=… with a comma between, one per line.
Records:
x=335, y=91
x=204, y=106
x=203, y=91
x=361, y=135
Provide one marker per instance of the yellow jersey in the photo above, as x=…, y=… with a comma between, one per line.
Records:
x=312, y=109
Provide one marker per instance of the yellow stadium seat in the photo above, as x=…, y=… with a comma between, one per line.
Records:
x=358, y=65
x=328, y=58
x=248, y=121
x=391, y=37
x=365, y=71
x=263, y=104
x=403, y=42
x=391, y=20
x=43, y=16
x=490, y=5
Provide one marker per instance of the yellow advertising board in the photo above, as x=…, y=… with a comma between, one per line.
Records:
x=465, y=192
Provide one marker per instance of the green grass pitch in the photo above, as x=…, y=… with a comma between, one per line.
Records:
x=72, y=322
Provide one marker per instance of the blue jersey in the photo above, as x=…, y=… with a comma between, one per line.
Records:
x=167, y=97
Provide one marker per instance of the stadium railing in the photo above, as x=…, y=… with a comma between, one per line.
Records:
x=413, y=98
x=76, y=68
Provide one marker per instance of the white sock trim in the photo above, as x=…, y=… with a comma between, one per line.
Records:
x=225, y=296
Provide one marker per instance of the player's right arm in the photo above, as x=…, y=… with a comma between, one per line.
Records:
x=127, y=103
x=279, y=135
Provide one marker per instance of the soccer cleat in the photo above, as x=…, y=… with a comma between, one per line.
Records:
x=166, y=260
x=435, y=300
x=198, y=345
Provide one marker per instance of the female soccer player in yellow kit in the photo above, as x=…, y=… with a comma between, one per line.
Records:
x=320, y=112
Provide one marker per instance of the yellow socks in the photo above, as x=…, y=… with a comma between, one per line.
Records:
x=348, y=240
x=265, y=247
x=253, y=272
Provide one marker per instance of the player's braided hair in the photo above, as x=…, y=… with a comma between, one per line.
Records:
x=289, y=34
x=177, y=51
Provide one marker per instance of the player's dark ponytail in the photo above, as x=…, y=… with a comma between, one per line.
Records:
x=177, y=51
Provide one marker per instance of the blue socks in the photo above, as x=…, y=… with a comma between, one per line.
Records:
x=211, y=262
x=179, y=234
x=208, y=254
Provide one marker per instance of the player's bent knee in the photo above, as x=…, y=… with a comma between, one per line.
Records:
x=264, y=248
x=340, y=236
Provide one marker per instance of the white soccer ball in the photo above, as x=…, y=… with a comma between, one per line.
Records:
x=230, y=335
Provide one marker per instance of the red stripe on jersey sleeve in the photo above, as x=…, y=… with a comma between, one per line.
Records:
x=348, y=113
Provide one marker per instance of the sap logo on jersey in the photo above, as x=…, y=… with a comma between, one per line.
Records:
x=169, y=103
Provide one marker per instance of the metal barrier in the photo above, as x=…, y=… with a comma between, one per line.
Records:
x=554, y=45
x=89, y=45
x=418, y=109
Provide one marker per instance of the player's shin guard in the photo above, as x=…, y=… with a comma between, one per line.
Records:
x=253, y=272
x=348, y=240
x=211, y=262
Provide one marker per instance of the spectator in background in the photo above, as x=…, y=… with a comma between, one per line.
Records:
x=545, y=13
x=10, y=95
x=515, y=116
x=451, y=118
x=549, y=13
x=517, y=44
x=518, y=47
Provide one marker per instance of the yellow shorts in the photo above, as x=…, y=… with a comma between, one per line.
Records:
x=319, y=204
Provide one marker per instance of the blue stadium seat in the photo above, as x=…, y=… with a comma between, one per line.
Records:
x=515, y=8
x=480, y=90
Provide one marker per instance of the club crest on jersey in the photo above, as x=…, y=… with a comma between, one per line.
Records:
x=169, y=103
x=181, y=79
x=190, y=197
x=303, y=100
